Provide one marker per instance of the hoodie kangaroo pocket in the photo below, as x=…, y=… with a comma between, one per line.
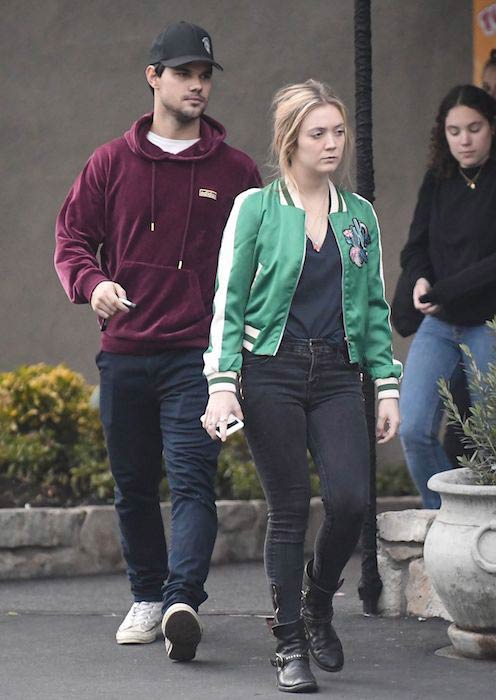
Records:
x=167, y=301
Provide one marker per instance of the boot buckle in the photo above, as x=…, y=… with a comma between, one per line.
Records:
x=279, y=661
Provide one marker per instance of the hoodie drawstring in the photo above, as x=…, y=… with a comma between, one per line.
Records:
x=188, y=216
x=152, y=220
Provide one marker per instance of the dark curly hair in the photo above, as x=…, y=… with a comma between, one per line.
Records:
x=441, y=161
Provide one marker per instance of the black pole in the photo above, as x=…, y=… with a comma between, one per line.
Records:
x=370, y=585
x=363, y=100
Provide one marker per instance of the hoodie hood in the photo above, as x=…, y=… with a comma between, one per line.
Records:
x=212, y=135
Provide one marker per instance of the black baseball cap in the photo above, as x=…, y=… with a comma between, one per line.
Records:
x=181, y=43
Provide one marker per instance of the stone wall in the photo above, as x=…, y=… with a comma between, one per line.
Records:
x=37, y=542
x=407, y=589
x=42, y=542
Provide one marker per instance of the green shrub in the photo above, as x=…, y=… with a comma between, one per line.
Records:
x=52, y=450
x=236, y=474
x=51, y=442
x=394, y=480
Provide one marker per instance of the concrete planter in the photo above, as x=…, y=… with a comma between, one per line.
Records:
x=460, y=558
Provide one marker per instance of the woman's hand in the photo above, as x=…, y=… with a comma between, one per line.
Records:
x=423, y=286
x=388, y=420
x=220, y=405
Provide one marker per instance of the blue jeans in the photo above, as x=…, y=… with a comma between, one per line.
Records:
x=307, y=396
x=152, y=405
x=435, y=353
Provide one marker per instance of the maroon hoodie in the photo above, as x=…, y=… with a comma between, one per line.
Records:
x=158, y=218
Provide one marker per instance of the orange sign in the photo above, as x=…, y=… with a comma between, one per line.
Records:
x=484, y=29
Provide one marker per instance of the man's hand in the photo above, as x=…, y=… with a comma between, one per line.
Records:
x=423, y=286
x=388, y=420
x=105, y=299
x=220, y=405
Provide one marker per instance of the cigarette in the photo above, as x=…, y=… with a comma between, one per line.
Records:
x=128, y=303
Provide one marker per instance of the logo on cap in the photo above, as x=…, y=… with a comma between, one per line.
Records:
x=206, y=44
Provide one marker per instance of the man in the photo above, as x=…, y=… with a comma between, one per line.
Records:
x=153, y=203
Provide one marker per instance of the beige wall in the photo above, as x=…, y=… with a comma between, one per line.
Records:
x=72, y=78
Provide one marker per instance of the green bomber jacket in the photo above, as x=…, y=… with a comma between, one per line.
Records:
x=260, y=263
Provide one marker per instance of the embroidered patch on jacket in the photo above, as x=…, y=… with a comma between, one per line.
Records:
x=210, y=194
x=358, y=238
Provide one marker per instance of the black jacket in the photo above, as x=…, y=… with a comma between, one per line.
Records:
x=452, y=243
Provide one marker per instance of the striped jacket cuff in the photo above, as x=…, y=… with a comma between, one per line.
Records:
x=222, y=381
x=387, y=388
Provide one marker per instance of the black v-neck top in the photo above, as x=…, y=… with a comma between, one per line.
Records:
x=316, y=310
x=452, y=243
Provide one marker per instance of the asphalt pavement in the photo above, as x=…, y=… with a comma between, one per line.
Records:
x=57, y=642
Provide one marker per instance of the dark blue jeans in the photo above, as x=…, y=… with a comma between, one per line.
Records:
x=307, y=396
x=152, y=405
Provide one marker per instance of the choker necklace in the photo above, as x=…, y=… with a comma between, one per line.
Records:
x=470, y=180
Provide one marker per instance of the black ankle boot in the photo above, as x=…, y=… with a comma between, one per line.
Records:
x=291, y=660
x=369, y=593
x=317, y=613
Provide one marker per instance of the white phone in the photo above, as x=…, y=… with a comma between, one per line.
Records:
x=233, y=424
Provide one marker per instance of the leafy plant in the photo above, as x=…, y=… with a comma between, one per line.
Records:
x=236, y=473
x=52, y=450
x=479, y=428
x=394, y=480
x=51, y=441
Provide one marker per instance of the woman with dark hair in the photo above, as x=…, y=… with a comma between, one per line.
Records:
x=489, y=74
x=299, y=308
x=450, y=258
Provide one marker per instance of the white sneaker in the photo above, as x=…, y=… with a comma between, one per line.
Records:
x=182, y=631
x=141, y=625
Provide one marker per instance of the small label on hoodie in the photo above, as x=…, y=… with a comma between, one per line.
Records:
x=211, y=194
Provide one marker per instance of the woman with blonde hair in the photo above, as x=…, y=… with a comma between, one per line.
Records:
x=299, y=310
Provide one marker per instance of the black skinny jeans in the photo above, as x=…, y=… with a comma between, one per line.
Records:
x=307, y=396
